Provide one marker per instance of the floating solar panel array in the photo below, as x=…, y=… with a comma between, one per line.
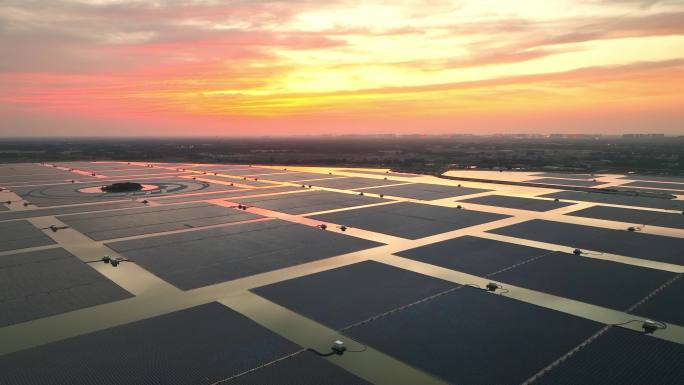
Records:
x=422, y=280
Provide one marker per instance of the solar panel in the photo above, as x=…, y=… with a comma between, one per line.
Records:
x=658, y=185
x=566, y=175
x=635, y=216
x=654, y=178
x=622, y=242
x=199, y=345
x=226, y=195
x=409, y=220
x=208, y=256
x=517, y=202
x=349, y=294
x=68, y=210
x=473, y=255
x=666, y=305
x=237, y=180
x=469, y=336
x=42, y=283
x=309, y=201
x=425, y=191
x=20, y=235
x=147, y=220
x=301, y=369
x=598, y=282
x=352, y=183
x=566, y=182
x=296, y=176
x=618, y=199
x=619, y=357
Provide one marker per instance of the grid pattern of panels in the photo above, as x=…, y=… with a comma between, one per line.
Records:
x=419, y=306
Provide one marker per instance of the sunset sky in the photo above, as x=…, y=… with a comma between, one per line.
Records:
x=260, y=67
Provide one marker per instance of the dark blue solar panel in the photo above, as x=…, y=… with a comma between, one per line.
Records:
x=517, y=202
x=409, y=220
x=621, y=242
x=604, y=283
x=301, y=369
x=473, y=255
x=620, y=357
x=349, y=294
x=618, y=199
x=470, y=336
x=633, y=216
x=193, y=346
x=667, y=305
x=204, y=257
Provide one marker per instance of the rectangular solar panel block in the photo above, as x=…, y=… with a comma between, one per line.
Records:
x=309, y=201
x=147, y=220
x=301, y=369
x=469, y=336
x=622, y=242
x=43, y=283
x=135, y=171
x=666, y=305
x=655, y=178
x=247, y=181
x=351, y=183
x=519, y=203
x=199, y=345
x=618, y=199
x=425, y=191
x=618, y=357
x=205, y=257
x=650, y=191
x=386, y=173
x=297, y=176
x=473, y=255
x=634, y=216
x=253, y=171
x=217, y=167
x=566, y=175
x=657, y=185
x=566, y=182
x=20, y=235
x=595, y=281
x=68, y=210
x=227, y=195
x=340, y=297
x=409, y=220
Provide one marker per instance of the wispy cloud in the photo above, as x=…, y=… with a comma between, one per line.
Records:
x=282, y=61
